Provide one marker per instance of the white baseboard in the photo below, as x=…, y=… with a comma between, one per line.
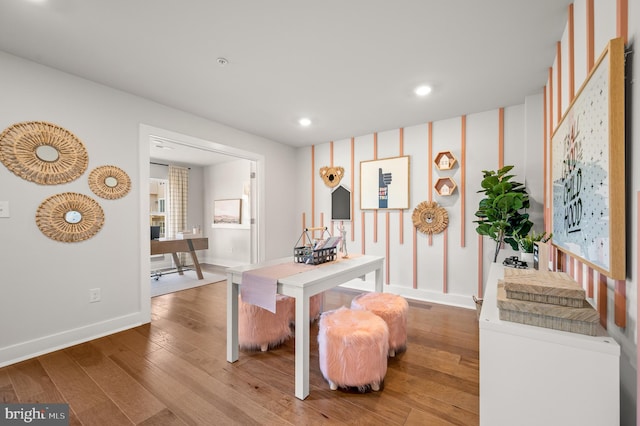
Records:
x=32, y=348
x=456, y=300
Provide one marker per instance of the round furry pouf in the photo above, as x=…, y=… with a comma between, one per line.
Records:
x=315, y=307
x=261, y=329
x=353, y=348
x=393, y=309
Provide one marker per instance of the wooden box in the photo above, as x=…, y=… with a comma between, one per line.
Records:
x=555, y=288
x=583, y=320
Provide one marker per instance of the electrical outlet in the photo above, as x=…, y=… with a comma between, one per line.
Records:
x=94, y=295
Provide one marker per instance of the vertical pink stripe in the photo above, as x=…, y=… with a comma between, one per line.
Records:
x=571, y=59
x=572, y=271
x=622, y=20
x=353, y=172
x=602, y=299
x=362, y=231
x=430, y=168
x=620, y=303
x=463, y=169
x=580, y=277
x=480, y=270
x=331, y=154
x=387, y=216
x=415, y=257
x=501, y=138
x=313, y=185
x=401, y=212
x=375, y=212
x=304, y=225
x=550, y=100
x=545, y=157
x=559, y=80
x=444, y=260
x=590, y=36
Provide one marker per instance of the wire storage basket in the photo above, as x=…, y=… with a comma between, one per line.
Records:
x=314, y=253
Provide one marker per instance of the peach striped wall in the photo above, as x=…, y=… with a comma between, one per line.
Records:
x=428, y=268
x=553, y=103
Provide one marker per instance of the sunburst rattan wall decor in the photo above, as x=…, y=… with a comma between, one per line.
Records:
x=43, y=153
x=430, y=218
x=69, y=217
x=109, y=182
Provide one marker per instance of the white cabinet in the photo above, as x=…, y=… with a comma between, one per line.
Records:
x=537, y=376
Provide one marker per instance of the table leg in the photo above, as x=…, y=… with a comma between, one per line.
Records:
x=232, y=320
x=379, y=280
x=194, y=257
x=176, y=260
x=302, y=345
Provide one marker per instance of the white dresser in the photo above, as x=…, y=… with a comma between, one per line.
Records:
x=537, y=376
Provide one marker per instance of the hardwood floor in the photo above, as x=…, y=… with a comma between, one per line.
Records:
x=173, y=371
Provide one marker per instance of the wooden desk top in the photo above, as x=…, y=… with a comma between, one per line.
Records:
x=177, y=246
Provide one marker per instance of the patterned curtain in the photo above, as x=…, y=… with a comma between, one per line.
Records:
x=178, y=202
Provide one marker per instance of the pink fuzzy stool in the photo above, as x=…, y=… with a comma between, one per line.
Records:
x=261, y=329
x=393, y=309
x=353, y=348
x=315, y=307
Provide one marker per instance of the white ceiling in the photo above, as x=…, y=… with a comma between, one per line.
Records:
x=349, y=65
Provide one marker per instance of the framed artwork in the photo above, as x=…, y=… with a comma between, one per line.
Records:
x=227, y=211
x=384, y=184
x=588, y=169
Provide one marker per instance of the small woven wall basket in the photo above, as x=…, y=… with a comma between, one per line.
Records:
x=19, y=145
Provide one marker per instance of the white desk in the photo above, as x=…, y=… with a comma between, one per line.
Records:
x=531, y=376
x=301, y=286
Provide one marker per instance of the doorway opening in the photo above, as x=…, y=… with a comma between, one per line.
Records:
x=202, y=155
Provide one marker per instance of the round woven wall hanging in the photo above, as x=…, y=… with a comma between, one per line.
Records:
x=429, y=218
x=69, y=217
x=109, y=182
x=43, y=153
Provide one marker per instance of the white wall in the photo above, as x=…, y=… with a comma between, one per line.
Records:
x=229, y=245
x=45, y=284
x=460, y=270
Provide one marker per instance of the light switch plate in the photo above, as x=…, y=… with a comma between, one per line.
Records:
x=4, y=209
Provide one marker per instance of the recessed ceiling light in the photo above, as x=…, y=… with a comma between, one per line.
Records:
x=423, y=90
x=304, y=122
x=222, y=61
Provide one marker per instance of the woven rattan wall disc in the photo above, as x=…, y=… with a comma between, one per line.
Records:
x=22, y=143
x=69, y=217
x=429, y=218
x=109, y=182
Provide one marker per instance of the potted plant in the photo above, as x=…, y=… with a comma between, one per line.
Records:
x=526, y=244
x=502, y=213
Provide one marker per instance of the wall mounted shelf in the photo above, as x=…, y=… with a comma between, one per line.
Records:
x=445, y=160
x=445, y=186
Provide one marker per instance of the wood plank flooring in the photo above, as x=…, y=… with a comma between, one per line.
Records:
x=173, y=371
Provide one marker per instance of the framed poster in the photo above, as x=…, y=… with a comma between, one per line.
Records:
x=588, y=169
x=384, y=184
x=227, y=211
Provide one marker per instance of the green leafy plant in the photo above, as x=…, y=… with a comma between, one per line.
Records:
x=526, y=243
x=502, y=213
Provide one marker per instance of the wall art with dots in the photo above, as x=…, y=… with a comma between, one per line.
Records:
x=587, y=169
